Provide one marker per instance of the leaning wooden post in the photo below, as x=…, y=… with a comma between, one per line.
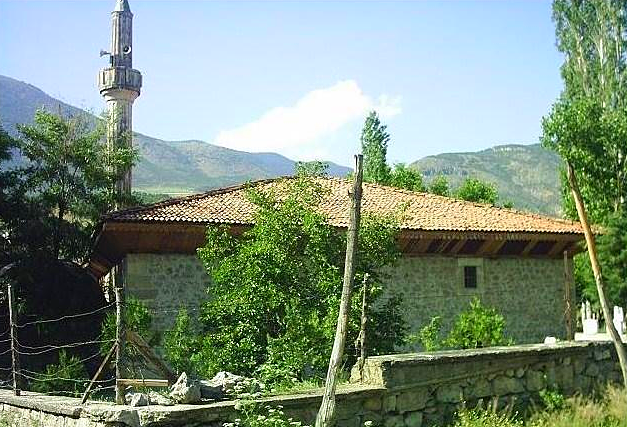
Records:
x=15, y=361
x=98, y=372
x=120, y=333
x=327, y=407
x=568, y=313
x=596, y=268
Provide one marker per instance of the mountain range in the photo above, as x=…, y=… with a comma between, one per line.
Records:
x=526, y=175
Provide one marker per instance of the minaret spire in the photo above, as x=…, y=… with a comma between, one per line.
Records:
x=122, y=6
x=120, y=83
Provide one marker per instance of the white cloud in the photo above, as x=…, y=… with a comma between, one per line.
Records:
x=317, y=114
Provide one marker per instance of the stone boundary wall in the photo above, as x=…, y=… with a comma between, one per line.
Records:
x=404, y=390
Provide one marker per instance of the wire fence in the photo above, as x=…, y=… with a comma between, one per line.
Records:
x=69, y=364
x=47, y=363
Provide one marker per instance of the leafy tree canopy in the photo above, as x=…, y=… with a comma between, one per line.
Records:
x=275, y=291
x=66, y=185
x=474, y=190
x=407, y=178
x=374, y=147
x=440, y=186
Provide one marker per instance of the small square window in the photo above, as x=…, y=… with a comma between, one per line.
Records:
x=470, y=276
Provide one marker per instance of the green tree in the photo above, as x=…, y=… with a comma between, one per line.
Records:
x=275, y=290
x=588, y=124
x=312, y=168
x=402, y=176
x=374, y=147
x=70, y=177
x=474, y=190
x=439, y=185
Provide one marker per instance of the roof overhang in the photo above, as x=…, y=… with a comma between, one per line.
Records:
x=116, y=239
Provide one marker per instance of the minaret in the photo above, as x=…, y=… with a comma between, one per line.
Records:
x=119, y=84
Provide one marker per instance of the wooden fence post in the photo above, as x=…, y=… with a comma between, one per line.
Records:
x=325, y=417
x=15, y=361
x=120, y=335
x=568, y=313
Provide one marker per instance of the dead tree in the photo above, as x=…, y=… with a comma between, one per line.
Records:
x=326, y=413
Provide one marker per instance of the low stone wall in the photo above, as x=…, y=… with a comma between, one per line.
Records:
x=405, y=390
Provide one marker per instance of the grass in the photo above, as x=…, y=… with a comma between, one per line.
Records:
x=610, y=411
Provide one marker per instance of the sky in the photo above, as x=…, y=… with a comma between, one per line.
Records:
x=299, y=78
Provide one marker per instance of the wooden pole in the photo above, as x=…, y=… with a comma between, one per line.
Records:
x=568, y=313
x=362, y=330
x=596, y=268
x=98, y=372
x=151, y=357
x=120, y=336
x=15, y=361
x=326, y=413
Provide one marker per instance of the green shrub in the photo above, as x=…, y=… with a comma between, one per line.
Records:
x=485, y=418
x=180, y=343
x=254, y=414
x=553, y=400
x=67, y=377
x=429, y=335
x=477, y=327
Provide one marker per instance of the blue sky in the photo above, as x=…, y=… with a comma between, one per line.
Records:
x=299, y=77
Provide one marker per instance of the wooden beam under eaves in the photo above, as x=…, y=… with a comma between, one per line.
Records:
x=457, y=247
x=491, y=247
x=532, y=244
x=558, y=248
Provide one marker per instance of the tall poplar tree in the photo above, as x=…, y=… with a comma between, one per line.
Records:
x=374, y=147
x=588, y=124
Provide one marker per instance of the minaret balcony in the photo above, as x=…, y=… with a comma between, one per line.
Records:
x=119, y=78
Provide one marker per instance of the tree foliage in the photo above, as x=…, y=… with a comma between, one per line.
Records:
x=51, y=204
x=474, y=190
x=275, y=290
x=439, y=185
x=70, y=176
x=374, y=147
x=587, y=126
x=402, y=176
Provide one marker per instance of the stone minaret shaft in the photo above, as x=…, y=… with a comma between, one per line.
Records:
x=119, y=84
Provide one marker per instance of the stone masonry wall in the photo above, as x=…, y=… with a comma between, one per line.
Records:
x=403, y=390
x=165, y=283
x=528, y=292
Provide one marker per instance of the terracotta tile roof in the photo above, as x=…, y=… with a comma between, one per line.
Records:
x=427, y=212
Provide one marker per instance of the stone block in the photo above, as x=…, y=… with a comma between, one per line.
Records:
x=373, y=404
x=579, y=365
x=564, y=377
x=520, y=372
x=450, y=393
x=480, y=388
x=413, y=419
x=394, y=421
x=592, y=370
x=389, y=403
x=534, y=380
x=505, y=385
x=409, y=401
x=602, y=355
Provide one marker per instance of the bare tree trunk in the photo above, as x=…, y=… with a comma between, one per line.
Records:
x=326, y=413
x=596, y=268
